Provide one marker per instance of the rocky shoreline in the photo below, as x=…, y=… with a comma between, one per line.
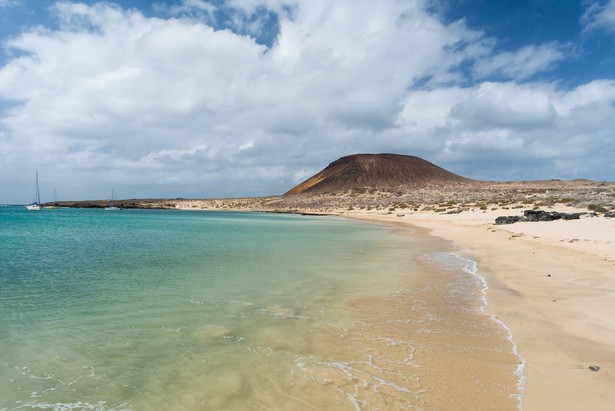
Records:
x=538, y=215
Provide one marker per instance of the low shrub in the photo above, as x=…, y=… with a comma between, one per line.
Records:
x=597, y=208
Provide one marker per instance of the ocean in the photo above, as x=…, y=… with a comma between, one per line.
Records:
x=204, y=310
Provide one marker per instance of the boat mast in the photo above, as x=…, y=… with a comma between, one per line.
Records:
x=38, y=194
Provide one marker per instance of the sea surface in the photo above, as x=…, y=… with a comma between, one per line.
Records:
x=203, y=310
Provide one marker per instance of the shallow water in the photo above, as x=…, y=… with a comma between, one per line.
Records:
x=138, y=309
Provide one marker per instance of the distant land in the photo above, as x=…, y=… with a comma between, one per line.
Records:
x=393, y=182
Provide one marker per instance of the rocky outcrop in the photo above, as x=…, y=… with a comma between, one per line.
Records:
x=507, y=219
x=537, y=215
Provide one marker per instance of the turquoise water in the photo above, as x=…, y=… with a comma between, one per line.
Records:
x=188, y=310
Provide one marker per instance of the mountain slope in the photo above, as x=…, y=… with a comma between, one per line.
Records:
x=379, y=171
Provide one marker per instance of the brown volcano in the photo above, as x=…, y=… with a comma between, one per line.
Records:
x=379, y=171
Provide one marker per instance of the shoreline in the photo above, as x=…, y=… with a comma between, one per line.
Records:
x=554, y=294
x=548, y=282
x=379, y=328
x=520, y=369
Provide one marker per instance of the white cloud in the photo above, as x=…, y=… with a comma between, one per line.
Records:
x=174, y=107
x=531, y=130
x=10, y=3
x=600, y=16
x=505, y=105
x=520, y=64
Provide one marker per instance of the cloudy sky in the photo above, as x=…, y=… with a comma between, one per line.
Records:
x=228, y=98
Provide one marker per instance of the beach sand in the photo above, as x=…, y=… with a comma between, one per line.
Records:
x=553, y=285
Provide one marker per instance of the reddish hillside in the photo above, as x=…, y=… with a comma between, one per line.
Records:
x=360, y=171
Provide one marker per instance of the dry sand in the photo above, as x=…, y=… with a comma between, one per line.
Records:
x=553, y=285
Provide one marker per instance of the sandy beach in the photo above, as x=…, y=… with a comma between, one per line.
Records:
x=553, y=285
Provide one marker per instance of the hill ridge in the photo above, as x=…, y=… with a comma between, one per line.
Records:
x=384, y=170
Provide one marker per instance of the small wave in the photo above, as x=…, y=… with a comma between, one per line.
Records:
x=455, y=261
x=69, y=406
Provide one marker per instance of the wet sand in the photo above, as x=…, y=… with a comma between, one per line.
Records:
x=424, y=338
x=553, y=285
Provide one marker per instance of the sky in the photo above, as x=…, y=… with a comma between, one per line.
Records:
x=237, y=98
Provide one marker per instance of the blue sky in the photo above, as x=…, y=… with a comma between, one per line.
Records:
x=192, y=98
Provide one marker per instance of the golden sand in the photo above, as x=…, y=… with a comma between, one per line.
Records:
x=553, y=285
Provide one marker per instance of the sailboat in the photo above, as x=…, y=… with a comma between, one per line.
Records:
x=36, y=205
x=111, y=205
x=55, y=200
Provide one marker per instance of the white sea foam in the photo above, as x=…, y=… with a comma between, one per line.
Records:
x=390, y=384
x=69, y=406
x=450, y=260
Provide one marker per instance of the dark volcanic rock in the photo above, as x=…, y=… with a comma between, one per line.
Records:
x=507, y=220
x=537, y=215
x=376, y=171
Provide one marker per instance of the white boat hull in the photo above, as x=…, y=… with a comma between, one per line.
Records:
x=36, y=205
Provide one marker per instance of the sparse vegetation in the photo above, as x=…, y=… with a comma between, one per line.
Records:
x=597, y=208
x=584, y=195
